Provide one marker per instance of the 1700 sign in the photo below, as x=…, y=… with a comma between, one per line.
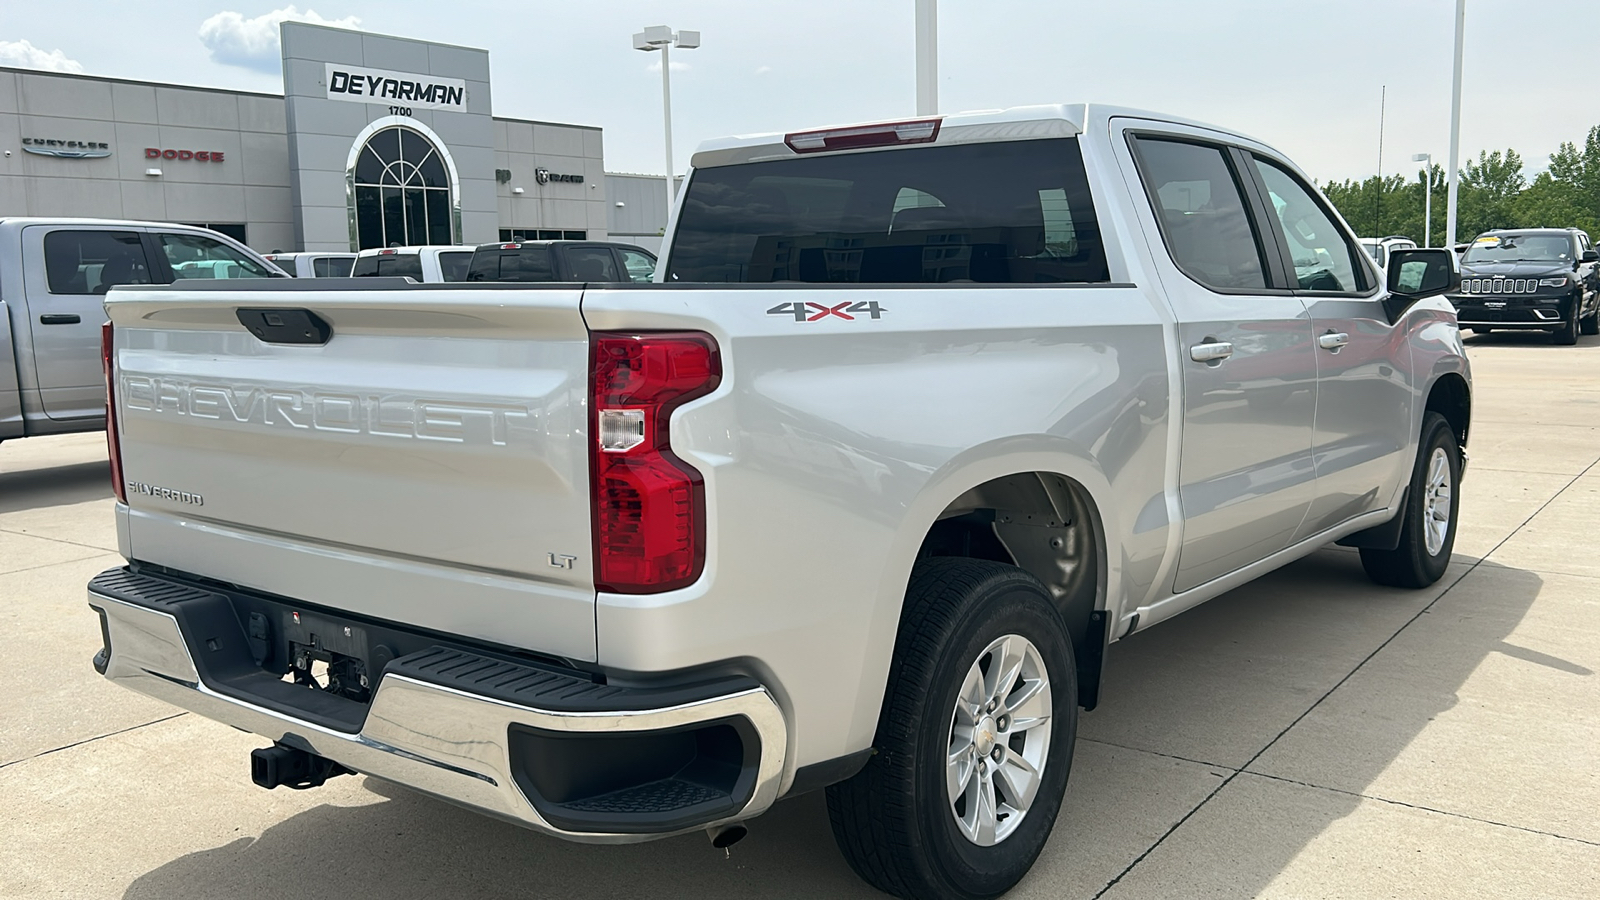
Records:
x=816, y=312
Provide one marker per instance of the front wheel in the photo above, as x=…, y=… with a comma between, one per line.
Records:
x=974, y=740
x=1429, y=534
x=1590, y=324
x=1567, y=334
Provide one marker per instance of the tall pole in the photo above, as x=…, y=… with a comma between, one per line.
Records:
x=1455, y=129
x=666, y=118
x=1427, y=204
x=1383, y=104
x=927, y=57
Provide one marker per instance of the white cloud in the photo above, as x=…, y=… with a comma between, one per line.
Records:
x=763, y=70
x=655, y=67
x=27, y=56
x=253, y=43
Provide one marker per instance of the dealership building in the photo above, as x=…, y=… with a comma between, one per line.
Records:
x=376, y=141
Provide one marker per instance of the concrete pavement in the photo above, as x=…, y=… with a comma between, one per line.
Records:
x=1307, y=735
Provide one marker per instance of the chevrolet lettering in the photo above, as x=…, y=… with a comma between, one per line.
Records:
x=385, y=416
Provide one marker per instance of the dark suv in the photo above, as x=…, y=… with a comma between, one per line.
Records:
x=589, y=261
x=1531, y=279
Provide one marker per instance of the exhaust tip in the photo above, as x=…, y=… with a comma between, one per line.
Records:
x=725, y=836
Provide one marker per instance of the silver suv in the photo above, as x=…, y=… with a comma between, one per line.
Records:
x=917, y=418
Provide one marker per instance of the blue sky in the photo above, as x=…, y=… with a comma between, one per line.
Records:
x=1302, y=75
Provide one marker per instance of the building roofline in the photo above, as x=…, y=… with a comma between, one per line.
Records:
x=543, y=122
x=376, y=34
x=20, y=70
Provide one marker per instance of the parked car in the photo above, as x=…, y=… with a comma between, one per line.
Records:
x=1380, y=248
x=1531, y=279
x=917, y=418
x=429, y=265
x=54, y=275
x=314, y=265
x=585, y=261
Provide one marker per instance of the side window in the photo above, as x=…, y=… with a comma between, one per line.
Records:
x=640, y=266
x=1323, y=257
x=1202, y=213
x=196, y=256
x=591, y=264
x=332, y=266
x=453, y=266
x=91, y=262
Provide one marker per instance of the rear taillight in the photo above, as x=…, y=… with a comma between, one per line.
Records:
x=113, y=444
x=649, y=505
x=885, y=134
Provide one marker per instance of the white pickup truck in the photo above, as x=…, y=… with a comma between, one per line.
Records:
x=918, y=418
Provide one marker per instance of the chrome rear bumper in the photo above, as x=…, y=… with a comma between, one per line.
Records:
x=438, y=739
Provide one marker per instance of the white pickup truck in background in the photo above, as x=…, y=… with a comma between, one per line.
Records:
x=918, y=418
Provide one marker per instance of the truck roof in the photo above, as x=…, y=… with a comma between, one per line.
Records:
x=1014, y=123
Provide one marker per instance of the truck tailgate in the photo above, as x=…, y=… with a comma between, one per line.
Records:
x=427, y=464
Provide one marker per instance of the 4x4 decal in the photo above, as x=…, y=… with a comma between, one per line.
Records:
x=816, y=312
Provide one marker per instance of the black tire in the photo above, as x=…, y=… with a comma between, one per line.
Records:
x=1590, y=324
x=1567, y=334
x=1482, y=330
x=1412, y=565
x=893, y=821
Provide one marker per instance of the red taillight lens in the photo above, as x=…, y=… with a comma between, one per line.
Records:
x=649, y=505
x=113, y=444
x=914, y=131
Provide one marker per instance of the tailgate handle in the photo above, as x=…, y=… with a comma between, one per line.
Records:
x=286, y=326
x=59, y=319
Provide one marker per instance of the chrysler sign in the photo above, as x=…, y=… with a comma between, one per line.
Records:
x=360, y=85
x=62, y=149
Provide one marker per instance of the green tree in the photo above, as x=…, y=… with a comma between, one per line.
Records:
x=1487, y=195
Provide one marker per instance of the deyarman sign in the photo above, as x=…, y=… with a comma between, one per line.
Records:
x=360, y=85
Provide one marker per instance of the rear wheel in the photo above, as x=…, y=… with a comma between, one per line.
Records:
x=1429, y=534
x=974, y=741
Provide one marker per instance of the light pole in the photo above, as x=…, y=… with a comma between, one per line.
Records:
x=927, y=57
x=1455, y=128
x=660, y=37
x=1427, y=196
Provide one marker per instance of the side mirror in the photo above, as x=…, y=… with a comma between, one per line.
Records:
x=1417, y=274
x=1590, y=256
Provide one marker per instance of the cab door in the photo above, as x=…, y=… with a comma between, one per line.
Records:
x=1364, y=380
x=1246, y=355
x=67, y=270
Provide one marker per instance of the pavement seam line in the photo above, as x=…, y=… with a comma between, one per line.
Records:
x=57, y=540
x=93, y=739
x=59, y=562
x=1198, y=762
x=1351, y=674
x=1429, y=809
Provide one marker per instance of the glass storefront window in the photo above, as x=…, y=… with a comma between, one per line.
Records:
x=402, y=191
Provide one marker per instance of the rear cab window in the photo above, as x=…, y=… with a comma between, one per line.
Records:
x=453, y=265
x=991, y=213
x=1201, y=211
x=522, y=263
x=92, y=262
x=591, y=264
x=395, y=265
x=332, y=266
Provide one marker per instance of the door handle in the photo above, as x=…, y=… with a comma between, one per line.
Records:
x=59, y=319
x=1211, y=351
x=1333, y=340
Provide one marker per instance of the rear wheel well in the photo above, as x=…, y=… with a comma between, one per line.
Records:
x=1451, y=398
x=1045, y=524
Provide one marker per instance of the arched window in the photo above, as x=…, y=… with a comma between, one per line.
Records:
x=401, y=191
